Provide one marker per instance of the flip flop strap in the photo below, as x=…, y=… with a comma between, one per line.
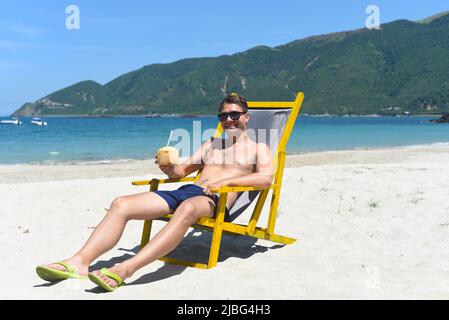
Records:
x=111, y=275
x=67, y=266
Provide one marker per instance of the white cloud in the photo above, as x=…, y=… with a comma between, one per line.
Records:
x=13, y=45
x=18, y=27
x=26, y=30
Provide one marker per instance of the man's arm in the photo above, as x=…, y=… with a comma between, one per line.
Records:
x=262, y=178
x=192, y=164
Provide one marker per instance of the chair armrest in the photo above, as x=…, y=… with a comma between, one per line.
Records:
x=240, y=189
x=160, y=181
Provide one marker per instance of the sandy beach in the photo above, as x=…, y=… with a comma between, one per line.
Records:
x=370, y=224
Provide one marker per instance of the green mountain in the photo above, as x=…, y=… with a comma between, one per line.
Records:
x=403, y=67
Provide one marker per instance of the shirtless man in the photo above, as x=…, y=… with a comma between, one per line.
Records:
x=236, y=161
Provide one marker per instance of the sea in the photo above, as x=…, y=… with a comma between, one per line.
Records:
x=69, y=140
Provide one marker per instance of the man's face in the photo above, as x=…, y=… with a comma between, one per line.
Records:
x=231, y=126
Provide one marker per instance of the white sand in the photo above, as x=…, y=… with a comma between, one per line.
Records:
x=371, y=224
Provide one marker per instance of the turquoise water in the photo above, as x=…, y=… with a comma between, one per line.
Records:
x=70, y=139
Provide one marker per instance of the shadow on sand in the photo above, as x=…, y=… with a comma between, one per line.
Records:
x=194, y=247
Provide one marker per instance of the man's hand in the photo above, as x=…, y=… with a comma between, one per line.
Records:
x=168, y=169
x=214, y=185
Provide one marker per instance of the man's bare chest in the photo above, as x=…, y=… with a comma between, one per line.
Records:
x=235, y=155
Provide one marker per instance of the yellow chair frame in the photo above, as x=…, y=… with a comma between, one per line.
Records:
x=217, y=224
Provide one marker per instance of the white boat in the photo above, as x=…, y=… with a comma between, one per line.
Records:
x=38, y=122
x=15, y=121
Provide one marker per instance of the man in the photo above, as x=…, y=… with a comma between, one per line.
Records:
x=234, y=161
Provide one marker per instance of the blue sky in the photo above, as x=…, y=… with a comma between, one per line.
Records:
x=39, y=55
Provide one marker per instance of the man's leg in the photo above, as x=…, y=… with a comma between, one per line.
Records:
x=143, y=206
x=166, y=240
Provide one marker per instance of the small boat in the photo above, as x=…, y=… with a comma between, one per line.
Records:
x=38, y=122
x=14, y=121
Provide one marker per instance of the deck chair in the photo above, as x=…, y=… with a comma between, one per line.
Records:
x=280, y=115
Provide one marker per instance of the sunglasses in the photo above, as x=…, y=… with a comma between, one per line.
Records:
x=235, y=115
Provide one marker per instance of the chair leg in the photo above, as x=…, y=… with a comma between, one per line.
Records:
x=146, y=233
x=257, y=211
x=148, y=223
x=218, y=231
x=276, y=193
x=215, y=248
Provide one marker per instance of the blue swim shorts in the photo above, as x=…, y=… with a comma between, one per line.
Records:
x=187, y=191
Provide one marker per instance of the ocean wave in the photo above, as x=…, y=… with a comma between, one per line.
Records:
x=440, y=144
x=362, y=148
x=105, y=161
x=433, y=144
x=102, y=161
x=83, y=162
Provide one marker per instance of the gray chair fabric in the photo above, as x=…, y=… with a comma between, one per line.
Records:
x=267, y=126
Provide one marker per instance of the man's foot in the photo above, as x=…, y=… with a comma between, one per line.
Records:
x=60, y=271
x=109, y=279
x=76, y=264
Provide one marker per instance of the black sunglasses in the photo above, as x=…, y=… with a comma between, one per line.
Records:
x=235, y=115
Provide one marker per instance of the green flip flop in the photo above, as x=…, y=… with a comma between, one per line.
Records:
x=100, y=282
x=49, y=274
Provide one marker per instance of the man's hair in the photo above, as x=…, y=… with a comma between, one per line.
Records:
x=235, y=99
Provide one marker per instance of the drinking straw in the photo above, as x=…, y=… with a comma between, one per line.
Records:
x=169, y=138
